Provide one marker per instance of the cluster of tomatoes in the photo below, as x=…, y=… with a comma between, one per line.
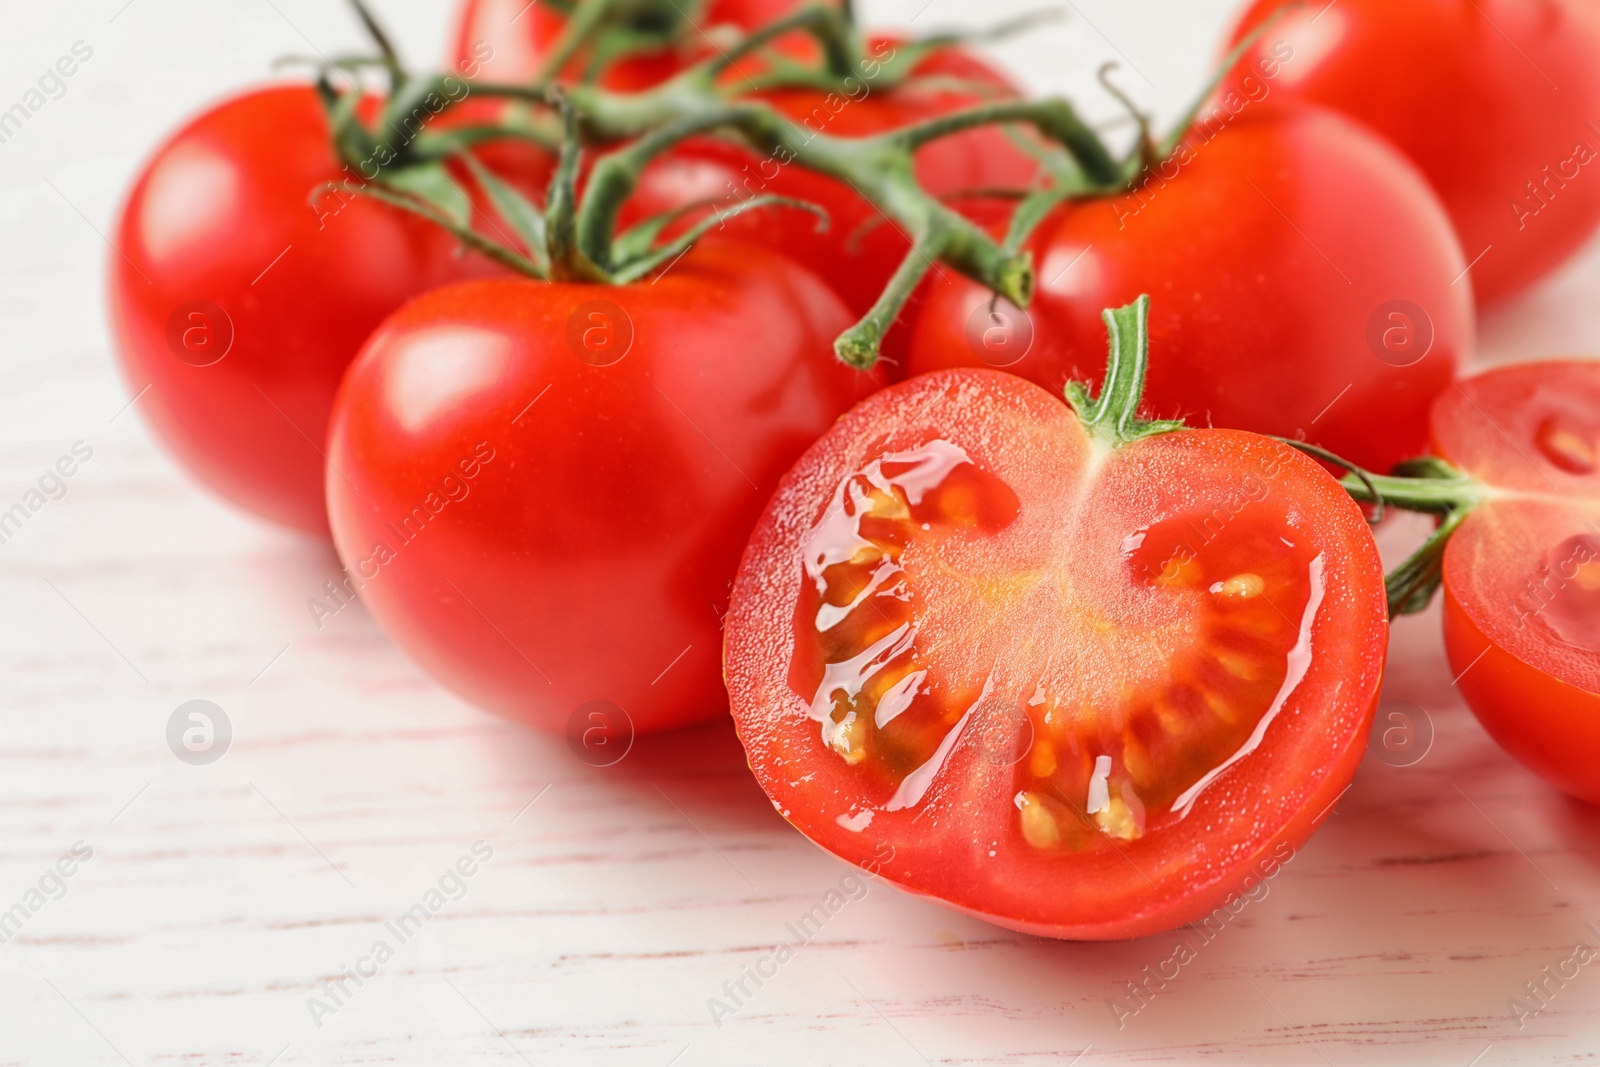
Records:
x=548, y=344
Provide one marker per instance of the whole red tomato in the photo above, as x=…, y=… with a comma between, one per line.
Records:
x=543, y=489
x=1522, y=574
x=860, y=248
x=1306, y=284
x=1495, y=100
x=239, y=297
x=1074, y=687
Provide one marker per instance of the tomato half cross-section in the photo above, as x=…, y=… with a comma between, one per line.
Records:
x=1074, y=674
x=541, y=490
x=1522, y=573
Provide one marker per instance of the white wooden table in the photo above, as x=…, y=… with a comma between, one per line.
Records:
x=220, y=900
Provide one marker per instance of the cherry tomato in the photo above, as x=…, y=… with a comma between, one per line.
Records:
x=543, y=489
x=1075, y=690
x=510, y=39
x=239, y=296
x=1522, y=574
x=1493, y=99
x=860, y=248
x=1306, y=284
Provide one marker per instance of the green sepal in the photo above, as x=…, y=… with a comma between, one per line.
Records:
x=1113, y=415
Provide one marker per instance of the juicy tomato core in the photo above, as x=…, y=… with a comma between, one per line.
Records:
x=1085, y=766
x=856, y=660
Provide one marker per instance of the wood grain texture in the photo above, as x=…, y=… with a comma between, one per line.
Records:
x=220, y=900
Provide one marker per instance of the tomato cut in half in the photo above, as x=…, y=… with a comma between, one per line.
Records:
x=1522, y=574
x=1076, y=688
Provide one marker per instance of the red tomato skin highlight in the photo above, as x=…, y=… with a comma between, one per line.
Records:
x=1194, y=872
x=1482, y=96
x=223, y=213
x=598, y=512
x=1269, y=256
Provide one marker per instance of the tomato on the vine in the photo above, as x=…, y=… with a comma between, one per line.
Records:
x=1307, y=284
x=511, y=38
x=542, y=489
x=240, y=293
x=859, y=249
x=1074, y=683
x=1495, y=100
x=1522, y=573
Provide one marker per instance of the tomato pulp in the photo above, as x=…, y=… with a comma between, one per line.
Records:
x=1306, y=284
x=1077, y=691
x=1522, y=574
x=542, y=490
x=1495, y=100
x=239, y=295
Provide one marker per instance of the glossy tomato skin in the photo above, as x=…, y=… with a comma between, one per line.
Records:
x=1547, y=725
x=1059, y=601
x=1522, y=574
x=1275, y=255
x=224, y=252
x=859, y=249
x=1493, y=100
x=541, y=530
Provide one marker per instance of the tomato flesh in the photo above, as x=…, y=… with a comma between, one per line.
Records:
x=1522, y=574
x=1078, y=692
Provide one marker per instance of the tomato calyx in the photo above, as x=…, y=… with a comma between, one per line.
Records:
x=1113, y=417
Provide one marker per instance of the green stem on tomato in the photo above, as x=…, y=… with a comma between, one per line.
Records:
x=1055, y=119
x=831, y=28
x=1429, y=486
x=386, y=49
x=1112, y=417
x=493, y=250
x=568, y=259
x=1412, y=584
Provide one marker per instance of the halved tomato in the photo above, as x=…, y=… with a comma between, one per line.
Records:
x=1076, y=678
x=1522, y=574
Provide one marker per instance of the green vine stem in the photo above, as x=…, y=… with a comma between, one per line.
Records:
x=1112, y=417
x=881, y=168
x=1429, y=486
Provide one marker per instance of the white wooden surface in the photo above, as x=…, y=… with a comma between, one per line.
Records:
x=219, y=899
